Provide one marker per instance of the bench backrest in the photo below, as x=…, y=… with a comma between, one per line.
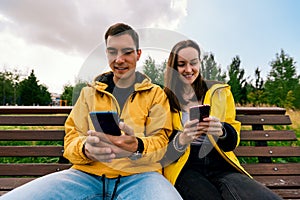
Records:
x=28, y=136
x=275, y=152
x=41, y=131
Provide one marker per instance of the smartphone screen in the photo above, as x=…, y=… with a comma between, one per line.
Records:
x=106, y=122
x=199, y=112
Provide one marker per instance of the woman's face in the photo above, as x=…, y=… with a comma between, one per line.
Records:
x=188, y=64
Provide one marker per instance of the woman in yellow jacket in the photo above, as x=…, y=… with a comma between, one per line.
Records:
x=199, y=161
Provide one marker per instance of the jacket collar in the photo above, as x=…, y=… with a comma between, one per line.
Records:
x=105, y=82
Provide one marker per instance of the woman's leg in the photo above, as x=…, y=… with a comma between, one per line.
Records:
x=192, y=185
x=234, y=185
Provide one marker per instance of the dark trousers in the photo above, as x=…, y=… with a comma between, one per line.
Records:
x=212, y=177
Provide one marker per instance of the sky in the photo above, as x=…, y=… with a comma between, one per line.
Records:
x=62, y=41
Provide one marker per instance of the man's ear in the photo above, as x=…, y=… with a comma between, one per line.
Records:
x=139, y=53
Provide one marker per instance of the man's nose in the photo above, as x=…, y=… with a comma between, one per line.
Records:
x=120, y=58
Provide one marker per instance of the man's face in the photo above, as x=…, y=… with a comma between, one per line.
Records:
x=122, y=57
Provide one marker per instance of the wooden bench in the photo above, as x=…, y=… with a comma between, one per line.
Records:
x=46, y=124
x=282, y=177
x=41, y=129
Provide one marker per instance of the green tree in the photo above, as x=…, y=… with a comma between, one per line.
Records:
x=237, y=81
x=255, y=92
x=31, y=93
x=155, y=72
x=67, y=94
x=77, y=89
x=282, y=81
x=211, y=70
x=8, y=86
x=297, y=96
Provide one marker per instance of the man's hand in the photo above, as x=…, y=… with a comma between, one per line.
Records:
x=96, y=149
x=104, y=147
x=124, y=145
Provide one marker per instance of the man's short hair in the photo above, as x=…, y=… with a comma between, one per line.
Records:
x=122, y=29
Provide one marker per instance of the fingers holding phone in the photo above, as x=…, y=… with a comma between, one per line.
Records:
x=96, y=149
x=126, y=129
x=214, y=126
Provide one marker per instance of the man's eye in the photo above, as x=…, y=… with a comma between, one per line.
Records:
x=113, y=53
x=128, y=52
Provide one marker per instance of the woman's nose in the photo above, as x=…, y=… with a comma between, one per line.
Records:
x=188, y=68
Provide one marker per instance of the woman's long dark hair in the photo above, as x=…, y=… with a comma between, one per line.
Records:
x=173, y=83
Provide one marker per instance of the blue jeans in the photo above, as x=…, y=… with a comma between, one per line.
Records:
x=75, y=184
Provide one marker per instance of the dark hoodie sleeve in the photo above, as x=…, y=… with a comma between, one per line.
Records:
x=229, y=141
x=172, y=154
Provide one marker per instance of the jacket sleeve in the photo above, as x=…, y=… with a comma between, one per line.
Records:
x=173, y=154
x=76, y=132
x=223, y=107
x=229, y=142
x=158, y=127
x=234, y=125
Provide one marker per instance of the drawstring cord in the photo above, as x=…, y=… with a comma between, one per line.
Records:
x=103, y=182
x=115, y=188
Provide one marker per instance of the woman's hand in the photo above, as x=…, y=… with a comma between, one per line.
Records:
x=190, y=132
x=193, y=129
x=212, y=125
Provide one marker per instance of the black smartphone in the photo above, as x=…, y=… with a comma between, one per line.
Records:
x=199, y=112
x=106, y=122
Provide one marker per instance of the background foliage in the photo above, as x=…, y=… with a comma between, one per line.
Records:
x=281, y=87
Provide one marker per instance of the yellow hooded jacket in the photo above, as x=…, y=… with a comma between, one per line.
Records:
x=146, y=110
x=220, y=98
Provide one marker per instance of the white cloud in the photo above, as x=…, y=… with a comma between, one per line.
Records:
x=80, y=25
x=54, y=37
x=53, y=68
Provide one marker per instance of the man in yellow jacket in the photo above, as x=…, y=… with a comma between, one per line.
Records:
x=106, y=166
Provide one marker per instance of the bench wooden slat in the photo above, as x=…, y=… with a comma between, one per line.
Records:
x=279, y=181
x=32, y=135
x=288, y=193
x=7, y=184
x=35, y=109
x=273, y=168
x=32, y=120
x=31, y=151
x=260, y=111
x=268, y=135
x=268, y=151
x=33, y=169
x=264, y=119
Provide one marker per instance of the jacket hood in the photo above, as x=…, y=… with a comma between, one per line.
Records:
x=105, y=82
